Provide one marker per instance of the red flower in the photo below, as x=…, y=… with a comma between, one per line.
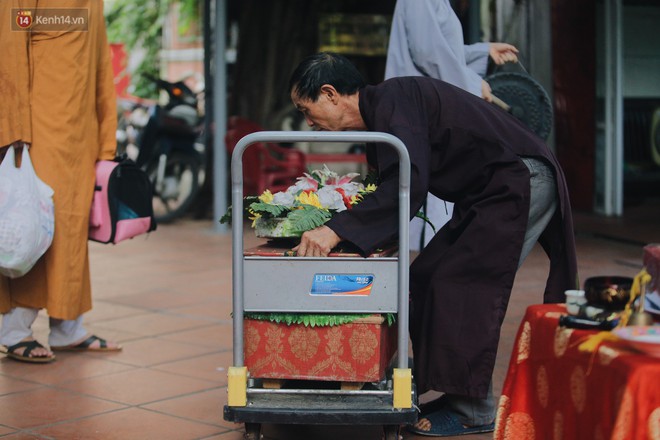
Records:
x=347, y=201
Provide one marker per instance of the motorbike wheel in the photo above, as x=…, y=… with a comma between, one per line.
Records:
x=174, y=195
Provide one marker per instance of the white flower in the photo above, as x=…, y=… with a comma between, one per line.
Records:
x=304, y=183
x=350, y=188
x=331, y=199
x=284, y=198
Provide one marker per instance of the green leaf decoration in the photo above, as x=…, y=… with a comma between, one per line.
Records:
x=247, y=200
x=227, y=217
x=267, y=208
x=420, y=214
x=314, y=320
x=307, y=218
x=371, y=178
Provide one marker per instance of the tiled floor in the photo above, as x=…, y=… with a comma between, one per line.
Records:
x=167, y=299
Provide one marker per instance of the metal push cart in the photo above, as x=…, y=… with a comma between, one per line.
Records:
x=283, y=284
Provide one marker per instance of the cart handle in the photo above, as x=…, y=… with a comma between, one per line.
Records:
x=404, y=219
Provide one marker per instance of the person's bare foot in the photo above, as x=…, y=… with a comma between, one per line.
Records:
x=90, y=343
x=29, y=350
x=424, y=424
x=444, y=423
x=39, y=351
x=97, y=343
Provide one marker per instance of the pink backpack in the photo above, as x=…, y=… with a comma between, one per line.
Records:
x=122, y=204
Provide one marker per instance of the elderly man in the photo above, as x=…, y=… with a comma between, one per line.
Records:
x=509, y=192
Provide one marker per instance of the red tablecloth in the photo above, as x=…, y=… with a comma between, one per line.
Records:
x=554, y=391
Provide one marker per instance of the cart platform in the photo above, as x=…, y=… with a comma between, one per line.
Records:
x=318, y=408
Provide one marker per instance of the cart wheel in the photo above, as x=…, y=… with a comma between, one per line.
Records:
x=391, y=432
x=252, y=431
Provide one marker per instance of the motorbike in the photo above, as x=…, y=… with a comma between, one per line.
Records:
x=166, y=140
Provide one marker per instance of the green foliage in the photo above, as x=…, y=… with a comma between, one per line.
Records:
x=138, y=24
x=189, y=12
x=307, y=218
x=227, y=217
x=247, y=201
x=371, y=178
x=267, y=208
x=314, y=320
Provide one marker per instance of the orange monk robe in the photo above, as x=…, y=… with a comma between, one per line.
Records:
x=14, y=77
x=73, y=117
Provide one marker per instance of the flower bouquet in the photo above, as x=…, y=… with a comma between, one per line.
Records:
x=307, y=204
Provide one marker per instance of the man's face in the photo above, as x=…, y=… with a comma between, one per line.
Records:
x=324, y=114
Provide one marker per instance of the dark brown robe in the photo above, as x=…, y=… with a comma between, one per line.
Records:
x=466, y=151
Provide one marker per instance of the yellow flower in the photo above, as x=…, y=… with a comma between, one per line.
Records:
x=356, y=199
x=266, y=196
x=254, y=217
x=309, y=198
x=370, y=188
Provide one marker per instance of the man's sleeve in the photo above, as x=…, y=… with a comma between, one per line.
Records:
x=374, y=222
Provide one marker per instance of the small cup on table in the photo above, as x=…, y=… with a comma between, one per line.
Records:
x=575, y=301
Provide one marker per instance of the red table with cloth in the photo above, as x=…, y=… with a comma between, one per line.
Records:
x=555, y=391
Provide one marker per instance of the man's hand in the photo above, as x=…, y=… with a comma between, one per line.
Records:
x=317, y=242
x=503, y=53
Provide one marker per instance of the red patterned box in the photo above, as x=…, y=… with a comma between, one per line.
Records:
x=357, y=352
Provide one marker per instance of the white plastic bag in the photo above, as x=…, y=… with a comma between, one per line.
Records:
x=27, y=217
